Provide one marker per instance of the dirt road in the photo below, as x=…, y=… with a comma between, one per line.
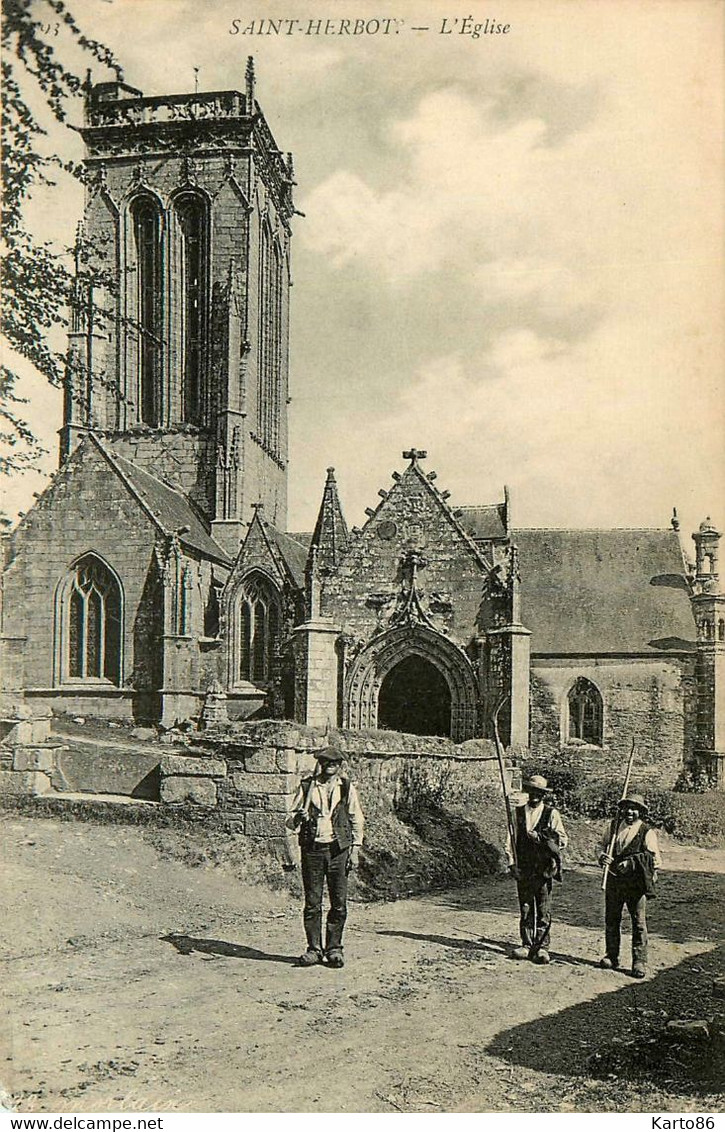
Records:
x=134, y=982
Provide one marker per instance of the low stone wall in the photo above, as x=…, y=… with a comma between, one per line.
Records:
x=28, y=754
x=250, y=771
x=246, y=774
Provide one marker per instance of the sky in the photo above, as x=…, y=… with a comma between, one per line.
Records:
x=511, y=248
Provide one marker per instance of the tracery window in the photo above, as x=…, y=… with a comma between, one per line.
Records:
x=586, y=713
x=259, y=620
x=191, y=214
x=269, y=399
x=92, y=617
x=146, y=220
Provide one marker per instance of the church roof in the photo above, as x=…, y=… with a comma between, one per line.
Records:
x=294, y=553
x=604, y=591
x=487, y=522
x=170, y=509
x=304, y=538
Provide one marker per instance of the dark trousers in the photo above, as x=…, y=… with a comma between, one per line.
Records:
x=618, y=894
x=319, y=864
x=535, y=904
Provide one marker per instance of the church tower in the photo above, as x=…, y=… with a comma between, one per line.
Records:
x=178, y=353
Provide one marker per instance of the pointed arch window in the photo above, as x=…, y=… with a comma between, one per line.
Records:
x=258, y=626
x=192, y=216
x=90, y=623
x=270, y=348
x=586, y=713
x=146, y=222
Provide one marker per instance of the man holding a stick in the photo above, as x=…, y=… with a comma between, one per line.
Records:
x=534, y=854
x=631, y=858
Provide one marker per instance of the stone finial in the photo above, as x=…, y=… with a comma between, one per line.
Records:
x=675, y=522
x=249, y=82
x=414, y=454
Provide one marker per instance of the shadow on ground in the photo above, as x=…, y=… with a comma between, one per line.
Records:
x=187, y=945
x=688, y=905
x=490, y=945
x=623, y=1034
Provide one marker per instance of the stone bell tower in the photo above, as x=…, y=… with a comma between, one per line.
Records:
x=178, y=351
x=708, y=601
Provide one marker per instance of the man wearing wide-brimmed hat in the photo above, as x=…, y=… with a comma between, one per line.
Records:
x=327, y=815
x=540, y=837
x=631, y=878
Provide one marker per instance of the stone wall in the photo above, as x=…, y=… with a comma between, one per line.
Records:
x=28, y=754
x=249, y=772
x=650, y=702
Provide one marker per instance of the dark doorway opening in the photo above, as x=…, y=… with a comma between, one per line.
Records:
x=415, y=697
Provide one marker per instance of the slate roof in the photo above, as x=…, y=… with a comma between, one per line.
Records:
x=169, y=507
x=484, y=523
x=604, y=591
x=293, y=552
x=304, y=538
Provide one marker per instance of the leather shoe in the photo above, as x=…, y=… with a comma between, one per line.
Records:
x=520, y=953
x=542, y=957
x=335, y=958
x=638, y=972
x=309, y=958
x=609, y=964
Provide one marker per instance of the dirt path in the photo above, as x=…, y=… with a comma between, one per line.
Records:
x=137, y=983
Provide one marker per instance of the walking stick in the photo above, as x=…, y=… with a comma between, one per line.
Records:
x=613, y=838
x=499, y=755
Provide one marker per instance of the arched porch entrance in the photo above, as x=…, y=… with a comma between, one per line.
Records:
x=416, y=680
x=415, y=697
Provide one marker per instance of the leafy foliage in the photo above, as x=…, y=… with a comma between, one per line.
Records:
x=692, y=811
x=38, y=89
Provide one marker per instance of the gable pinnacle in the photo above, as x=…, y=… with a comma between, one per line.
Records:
x=330, y=538
x=249, y=84
x=415, y=454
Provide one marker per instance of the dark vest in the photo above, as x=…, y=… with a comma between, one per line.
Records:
x=542, y=858
x=642, y=875
x=341, y=824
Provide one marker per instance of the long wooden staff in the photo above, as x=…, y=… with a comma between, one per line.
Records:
x=499, y=755
x=613, y=838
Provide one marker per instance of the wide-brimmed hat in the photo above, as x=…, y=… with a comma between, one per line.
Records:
x=537, y=782
x=634, y=800
x=330, y=754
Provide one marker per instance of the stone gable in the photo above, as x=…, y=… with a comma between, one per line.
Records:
x=364, y=593
x=87, y=508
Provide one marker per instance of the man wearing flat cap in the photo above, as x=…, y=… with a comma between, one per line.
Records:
x=631, y=851
x=327, y=816
x=540, y=837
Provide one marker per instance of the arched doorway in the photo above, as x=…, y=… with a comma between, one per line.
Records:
x=415, y=697
x=369, y=671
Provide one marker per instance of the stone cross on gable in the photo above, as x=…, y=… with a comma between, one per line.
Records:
x=414, y=454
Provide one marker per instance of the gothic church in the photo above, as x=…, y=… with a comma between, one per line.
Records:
x=156, y=570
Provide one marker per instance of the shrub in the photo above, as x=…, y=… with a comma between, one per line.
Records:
x=692, y=811
x=695, y=780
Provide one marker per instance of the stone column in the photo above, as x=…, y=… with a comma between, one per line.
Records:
x=518, y=639
x=316, y=673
